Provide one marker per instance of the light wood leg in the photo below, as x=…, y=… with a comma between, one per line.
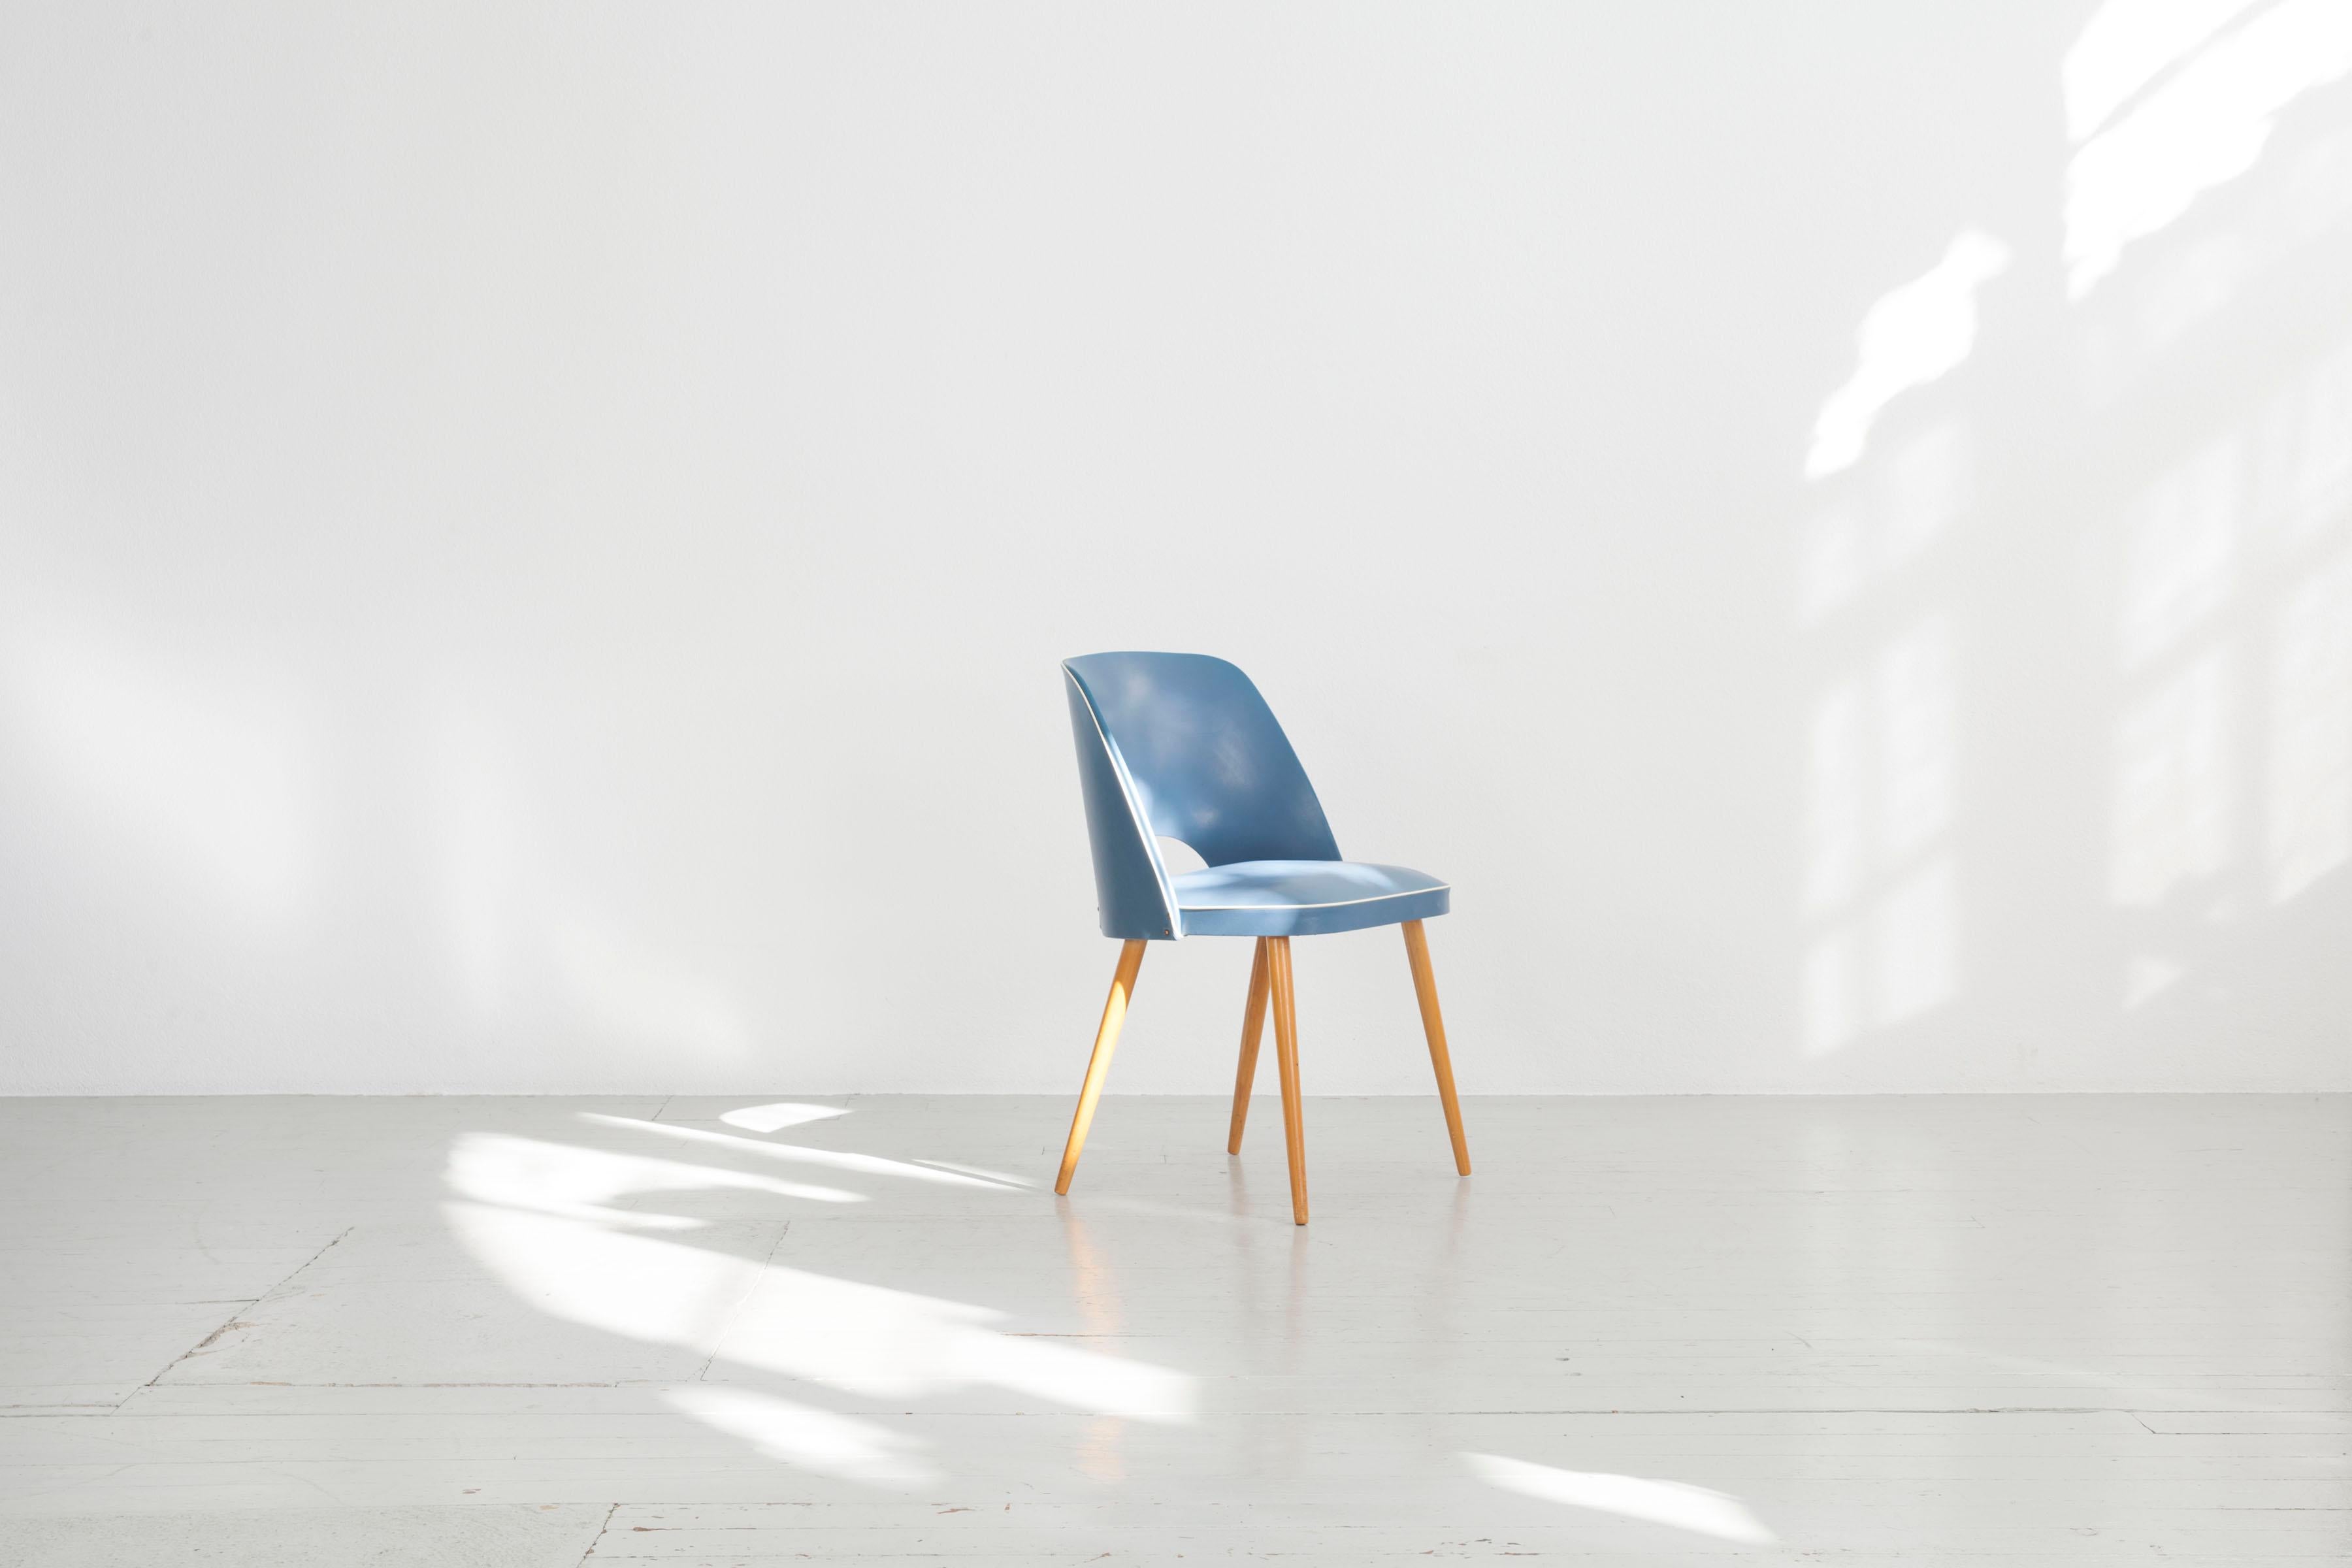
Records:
x=1253, y=1026
x=1122, y=986
x=1433, y=1023
x=1285, y=1056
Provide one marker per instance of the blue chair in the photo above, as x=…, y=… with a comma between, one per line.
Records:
x=1180, y=745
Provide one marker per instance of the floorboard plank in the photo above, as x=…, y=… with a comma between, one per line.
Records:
x=525, y=1333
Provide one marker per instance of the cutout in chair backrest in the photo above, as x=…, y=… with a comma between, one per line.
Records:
x=1179, y=856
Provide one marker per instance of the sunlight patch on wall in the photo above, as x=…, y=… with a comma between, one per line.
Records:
x=1839, y=824
x=2172, y=788
x=2147, y=977
x=1867, y=532
x=2179, y=552
x=1914, y=334
x=2309, y=810
x=2198, y=127
x=2127, y=44
x=1835, y=562
x=1884, y=765
x=2173, y=793
x=2305, y=451
x=2232, y=743
x=1916, y=936
x=1833, y=992
x=1884, y=757
x=1916, y=691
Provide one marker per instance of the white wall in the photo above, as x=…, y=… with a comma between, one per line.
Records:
x=534, y=540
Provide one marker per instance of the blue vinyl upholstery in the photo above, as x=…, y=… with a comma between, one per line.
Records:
x=1181, y=746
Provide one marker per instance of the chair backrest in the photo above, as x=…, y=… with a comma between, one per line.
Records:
x=1180, y=745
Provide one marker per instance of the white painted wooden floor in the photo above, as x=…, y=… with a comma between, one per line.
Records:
x=535, y=1334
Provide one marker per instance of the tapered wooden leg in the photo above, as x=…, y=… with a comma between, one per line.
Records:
x=1122, y=986
x=1433, y=1023
x=1252, y=1026
x=1285, y=1056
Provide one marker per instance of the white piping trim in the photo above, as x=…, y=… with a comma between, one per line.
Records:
x=1167, y=904
x=1334, y=904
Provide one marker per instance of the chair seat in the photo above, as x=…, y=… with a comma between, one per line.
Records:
x=1303, y=898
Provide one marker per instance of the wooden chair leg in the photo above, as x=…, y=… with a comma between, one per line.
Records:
x=1285, y=1056
x=1253, y=1026
x=1122, y=986
x=1433, y=1023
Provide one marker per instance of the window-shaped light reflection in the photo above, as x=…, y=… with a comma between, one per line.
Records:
x=1835, y=564
x=1832, y=991
x=2147, y=976
x=2172, y=791
x=582, y=1184
x=1861, y=533
x=2306, y=481
x=1914, y=936
x=1914, y=334
x=2125, y=44
x=1924, y=484
x=1880, y=883
x=1676, y=1504
x=548, y=1220
x=776, y=1117
x=1883, y=760
x=1916, y=740
x=1838, y=822
x=2308, y=813
x=862, y=1339
x=822, y=1441
x=2200, y=126
x=2179, y=552
x=937, y=1171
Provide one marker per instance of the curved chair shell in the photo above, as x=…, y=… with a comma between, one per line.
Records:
x=1132, y=894
x=1181, y=745
x=1303, y=898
